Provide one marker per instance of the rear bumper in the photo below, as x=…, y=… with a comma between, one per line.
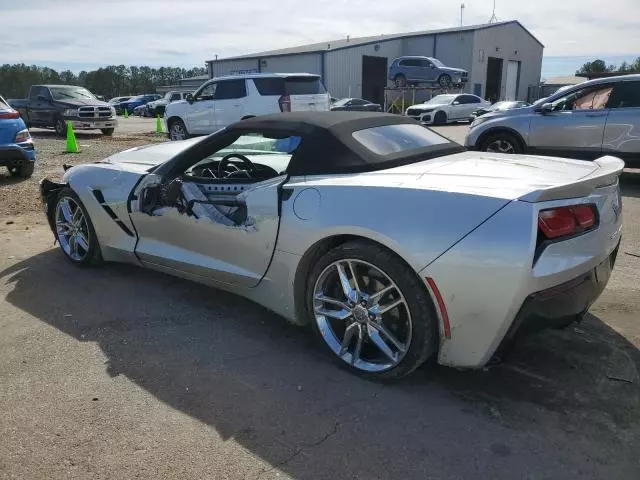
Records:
x=16, y=154
x=561, y=305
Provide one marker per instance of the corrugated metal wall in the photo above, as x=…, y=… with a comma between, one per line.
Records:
x=343, y=68
x=509, y=42
x=303, y=63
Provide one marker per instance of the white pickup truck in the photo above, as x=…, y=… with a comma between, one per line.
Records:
x=222, y=101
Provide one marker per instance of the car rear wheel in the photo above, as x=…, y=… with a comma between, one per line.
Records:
x=177, y=130
x=74, y=230
x=440, y=118
x=501, y=143
x=107, y=131
x=400, y=81
x=60, y=127
x=25, y=170
x=371, y=311
x=444, y=81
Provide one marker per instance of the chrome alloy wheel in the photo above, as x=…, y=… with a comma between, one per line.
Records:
x=72, y=229
x=178, y=131
x=362, y=315
x=501, y=146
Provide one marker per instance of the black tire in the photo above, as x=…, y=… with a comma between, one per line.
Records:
x=400, y=81
x=424, y=324
x=176, y=126
x=93, y=256
x=440, y=118
x=23, y=171
x=107, y=131
x=444, y=81
x=502, y=142
x=60, y=127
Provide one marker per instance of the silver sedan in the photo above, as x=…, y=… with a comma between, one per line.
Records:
x=394, y=244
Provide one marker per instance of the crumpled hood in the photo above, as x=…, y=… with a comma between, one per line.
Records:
x=146, y=156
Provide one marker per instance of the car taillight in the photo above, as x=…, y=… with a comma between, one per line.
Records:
x=285, y=103
x=9, y=114
x=23, y=136
x=565, y=221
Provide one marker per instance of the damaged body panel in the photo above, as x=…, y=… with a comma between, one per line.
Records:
x=392, y=242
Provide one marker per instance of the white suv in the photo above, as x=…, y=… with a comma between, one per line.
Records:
x=224, y=100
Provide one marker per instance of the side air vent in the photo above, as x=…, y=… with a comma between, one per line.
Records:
x=111, y=213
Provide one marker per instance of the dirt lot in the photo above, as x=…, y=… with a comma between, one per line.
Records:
x=125, y=373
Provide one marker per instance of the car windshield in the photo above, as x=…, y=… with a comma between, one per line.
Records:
x=135, y=99
x=260, y=145
x=341, y=103
x=503, y=105
x=441, y=99
x=75, y=93
x=391, y=139
x=437, y=62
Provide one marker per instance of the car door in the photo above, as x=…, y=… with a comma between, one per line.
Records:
x=201, y=113
x=470, y=103
x=230, y=98
x=410, y=68
x=41, y=108
x=228, y=233
x=574, y=125
x=428, y=71
x=458, y=107
x=622, y=130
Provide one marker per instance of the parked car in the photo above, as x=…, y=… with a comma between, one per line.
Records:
x=132, y=103
x=355, y=105
x=443, y=109
x=412, y=70
x=117, y=100
x=449, y=254
x=17, y=152
x=499, y=107
x=222, y=101
x=588, y=120
x=140, y=111
x=157, y=107
x=52, y=106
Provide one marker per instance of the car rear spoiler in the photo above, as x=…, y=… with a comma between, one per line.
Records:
x=607, y=173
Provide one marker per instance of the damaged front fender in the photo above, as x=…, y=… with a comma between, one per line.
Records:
x=49, y=192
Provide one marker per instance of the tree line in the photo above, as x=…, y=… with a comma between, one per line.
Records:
x=599, y=66
x=110, y=81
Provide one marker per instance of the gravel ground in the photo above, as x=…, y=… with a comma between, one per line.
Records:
x=120, y=372
x=18, y=196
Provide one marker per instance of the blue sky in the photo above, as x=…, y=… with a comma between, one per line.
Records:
x=85, y=34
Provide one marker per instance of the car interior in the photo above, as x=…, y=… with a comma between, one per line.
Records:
x=215, y=186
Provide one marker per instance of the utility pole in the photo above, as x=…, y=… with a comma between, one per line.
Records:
x=461, y=13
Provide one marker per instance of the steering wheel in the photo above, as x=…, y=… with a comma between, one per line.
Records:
x=226, y=161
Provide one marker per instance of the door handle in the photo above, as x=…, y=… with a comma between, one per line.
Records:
x=236, y=105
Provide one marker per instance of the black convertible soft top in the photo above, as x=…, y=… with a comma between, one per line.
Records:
x=328, y=145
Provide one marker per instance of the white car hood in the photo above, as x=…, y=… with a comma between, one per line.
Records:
x=146, y=156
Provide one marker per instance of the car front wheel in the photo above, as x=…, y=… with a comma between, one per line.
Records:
x=371, y=311
x=501, y=143
x=74, y=230
x=60, y=127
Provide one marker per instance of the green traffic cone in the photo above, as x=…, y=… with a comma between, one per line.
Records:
x=158, y=124
x=126, y=114
x=72, y=143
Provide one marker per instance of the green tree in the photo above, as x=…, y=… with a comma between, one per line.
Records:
x=597, y=66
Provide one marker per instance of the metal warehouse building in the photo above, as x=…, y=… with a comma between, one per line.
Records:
x=503, y=59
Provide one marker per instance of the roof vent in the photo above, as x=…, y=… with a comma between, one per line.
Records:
x=347, y=38
x=328, y=46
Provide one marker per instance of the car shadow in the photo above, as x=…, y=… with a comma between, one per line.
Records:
x=263, y=382
x=52, y=135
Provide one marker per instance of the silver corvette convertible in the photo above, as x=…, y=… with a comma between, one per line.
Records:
x=394, y=244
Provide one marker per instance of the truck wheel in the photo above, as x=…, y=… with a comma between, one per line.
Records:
x=107, y=131
x=61, y=127
x=177, y=130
